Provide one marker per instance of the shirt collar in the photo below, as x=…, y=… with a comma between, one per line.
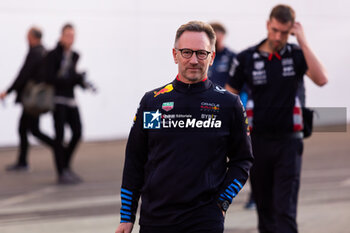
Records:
x=269, y=56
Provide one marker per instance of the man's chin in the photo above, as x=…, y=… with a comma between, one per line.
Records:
x=193, y=78
x=275, y=46
x=278, y=47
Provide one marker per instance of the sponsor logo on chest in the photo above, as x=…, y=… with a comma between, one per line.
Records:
x=288, y=67
x=167, y=106
x=223, y=64
x=259, y=73
x=210, y=107
x=168, y=88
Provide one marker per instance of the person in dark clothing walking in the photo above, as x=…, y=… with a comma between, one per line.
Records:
x=60, y=65
x=30, y=71
x=219, y=72
x=189, y=152
x=274, y=72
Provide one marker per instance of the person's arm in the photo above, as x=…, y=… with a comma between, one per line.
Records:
x=239, y=154
x=316, y=72
x=133, y=174
x=236, y=78
x=79, y=78
x=31, y=62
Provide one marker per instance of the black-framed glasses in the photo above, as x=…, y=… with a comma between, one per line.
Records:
x=200, y=54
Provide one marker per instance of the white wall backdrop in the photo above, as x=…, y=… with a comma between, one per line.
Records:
x=125, y=47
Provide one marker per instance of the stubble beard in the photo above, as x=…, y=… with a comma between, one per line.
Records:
x=276, y=48
x=196, y=77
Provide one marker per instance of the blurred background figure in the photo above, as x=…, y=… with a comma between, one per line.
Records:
x=274, y=71
x=219, y=71
x=61, y=72
x=30, y=71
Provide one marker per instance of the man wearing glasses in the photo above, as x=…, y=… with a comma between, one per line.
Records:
x=189, y=151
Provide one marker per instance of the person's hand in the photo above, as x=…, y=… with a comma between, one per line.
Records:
x=3, y=95
x=298, y=32
x=125, y=227
x=223, y=212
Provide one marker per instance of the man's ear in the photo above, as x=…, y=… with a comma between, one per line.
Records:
x=174, y=56
x=267, y=24
x=212, y=58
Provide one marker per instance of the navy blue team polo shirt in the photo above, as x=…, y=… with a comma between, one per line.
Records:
x=273, y=80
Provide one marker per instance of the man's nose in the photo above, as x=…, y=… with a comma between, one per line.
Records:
x=278, y=36
x=194, y=59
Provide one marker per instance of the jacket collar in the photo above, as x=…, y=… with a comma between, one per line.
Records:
x=59, y=47
x=191, y=88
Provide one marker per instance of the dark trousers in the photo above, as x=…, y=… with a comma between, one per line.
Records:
x=67, y=115
x=207, y=219
x=275, y=178
x=29, y=123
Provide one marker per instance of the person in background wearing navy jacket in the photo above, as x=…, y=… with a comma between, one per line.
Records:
x=274, y=71
x=219, y=72
x=189, y=151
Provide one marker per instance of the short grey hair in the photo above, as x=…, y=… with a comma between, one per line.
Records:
x=197, y=26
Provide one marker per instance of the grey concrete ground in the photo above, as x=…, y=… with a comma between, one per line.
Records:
x=32, y=202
